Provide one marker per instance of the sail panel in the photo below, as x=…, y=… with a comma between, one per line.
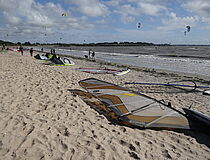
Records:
x=134, y=109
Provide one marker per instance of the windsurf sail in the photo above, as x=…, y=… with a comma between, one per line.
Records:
x=104, y=71
x=206, y=92
x=122, y=72
x=132, y=108
x=11, y=49
x=97, y=70
x=41, y=57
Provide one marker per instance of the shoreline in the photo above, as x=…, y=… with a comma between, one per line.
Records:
x=203, y=79
x=192, y=72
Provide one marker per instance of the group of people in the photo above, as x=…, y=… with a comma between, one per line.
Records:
x=21, y=50
x=90, y=55
x=52, y=51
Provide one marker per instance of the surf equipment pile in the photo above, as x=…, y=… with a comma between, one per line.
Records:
x=59, y=61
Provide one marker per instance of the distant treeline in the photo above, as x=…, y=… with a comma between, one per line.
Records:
x=94, y=44
x=87, y=44
x=6, y=43
x=115, y=44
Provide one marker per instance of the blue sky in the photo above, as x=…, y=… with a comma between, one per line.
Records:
x=92, y=21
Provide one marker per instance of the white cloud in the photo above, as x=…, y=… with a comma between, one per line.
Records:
x=29, y=16
x=28, y=11
x=11, y=18
x=173, y=22
x=206, y=20
x=102, y=21
x=91, y=8
x=130, y=10
x=114, y=2
x=151, y=9
x=127, y=19
x=202, y=7
x=127, y=13
x=199, y=7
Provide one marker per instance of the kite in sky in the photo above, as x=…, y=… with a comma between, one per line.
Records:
x=139, y=25
x=64, y=14
x=187, y=30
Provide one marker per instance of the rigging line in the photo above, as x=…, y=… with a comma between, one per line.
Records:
x=161, y=84
x=167, y=84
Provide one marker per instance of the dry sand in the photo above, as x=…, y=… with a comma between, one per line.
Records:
x=41, y=119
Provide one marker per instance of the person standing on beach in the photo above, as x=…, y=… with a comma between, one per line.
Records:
x=89, y=54
x=21, y=49
x=31, y=51
x=3, y=47
x=93, y=54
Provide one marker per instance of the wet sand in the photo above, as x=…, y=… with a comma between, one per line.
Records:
x=41, y=119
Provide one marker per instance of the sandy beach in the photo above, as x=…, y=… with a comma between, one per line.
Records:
x=40, y=118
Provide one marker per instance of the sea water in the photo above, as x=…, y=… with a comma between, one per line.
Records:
x=185, y=59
